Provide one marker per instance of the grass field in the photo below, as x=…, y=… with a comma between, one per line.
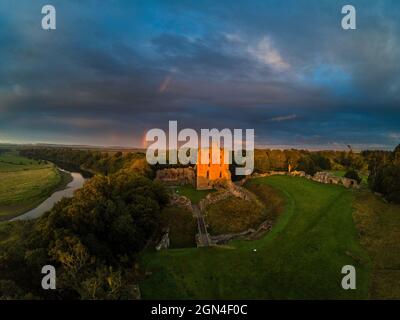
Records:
x=25, y=183
x=192, y=193
x=300, y=258
x=11, y=162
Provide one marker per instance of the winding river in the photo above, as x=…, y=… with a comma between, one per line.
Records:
x=76, y=183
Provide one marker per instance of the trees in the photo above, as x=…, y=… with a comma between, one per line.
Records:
x=396, y=155
x=310, y=162
x=92, y=239
x=307, y=165
x=385, y=175
x=104, y=162
x=111, y=216
x=313, y=163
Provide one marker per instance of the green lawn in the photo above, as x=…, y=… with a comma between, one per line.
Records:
x=192, y=193
x=301, y=257
x=25, y=183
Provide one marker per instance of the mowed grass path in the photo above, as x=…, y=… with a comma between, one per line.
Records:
x=301, y=258
x=24, y=184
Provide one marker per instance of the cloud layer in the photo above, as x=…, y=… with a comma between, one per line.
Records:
x=114, y=69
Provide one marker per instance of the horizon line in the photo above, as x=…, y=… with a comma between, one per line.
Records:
x=265, y=147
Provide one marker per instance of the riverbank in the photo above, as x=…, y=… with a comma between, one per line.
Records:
x=66, y=178
x=70, y=167
x=30, y=188
x=76, y=183
x=25, y=183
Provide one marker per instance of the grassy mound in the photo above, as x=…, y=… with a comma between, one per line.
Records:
x=300, y=258
x=269, y=196
x=233, y=215
x=182, y=227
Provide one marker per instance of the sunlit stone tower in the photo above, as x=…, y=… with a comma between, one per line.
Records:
x=208, y=173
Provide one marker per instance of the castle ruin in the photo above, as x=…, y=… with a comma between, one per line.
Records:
x=209, y=173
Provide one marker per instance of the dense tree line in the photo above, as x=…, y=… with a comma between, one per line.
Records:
x=313, y=162
x=94, y=161
x=376, y=159
x=92, y=239
x=384, y=175
x=308, y=161
x=264, y=159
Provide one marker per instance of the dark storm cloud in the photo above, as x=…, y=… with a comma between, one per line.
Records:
x=114, y=69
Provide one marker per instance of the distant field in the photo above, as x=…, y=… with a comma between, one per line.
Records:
x=12, y=162
x=300, y=258
x=25, y=183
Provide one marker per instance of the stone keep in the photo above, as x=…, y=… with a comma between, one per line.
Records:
x=208, y=173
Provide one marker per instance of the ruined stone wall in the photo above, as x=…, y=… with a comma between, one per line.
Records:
x=181, y=202
x=321, y=177
x=230, y=190
x=177, y=176
x=213, y=198
x=329, y=178
x=249, y=234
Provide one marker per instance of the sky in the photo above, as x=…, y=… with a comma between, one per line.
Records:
x=114, y=69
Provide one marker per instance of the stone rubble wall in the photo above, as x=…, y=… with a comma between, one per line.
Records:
x=176, y=200
x=230, y=189
x=321, y=177
x=213, y=198
x=177, y=176
x=247, y=235
x=329, y=178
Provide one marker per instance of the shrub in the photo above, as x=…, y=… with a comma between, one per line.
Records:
x=307, y=165
x=352, y=174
